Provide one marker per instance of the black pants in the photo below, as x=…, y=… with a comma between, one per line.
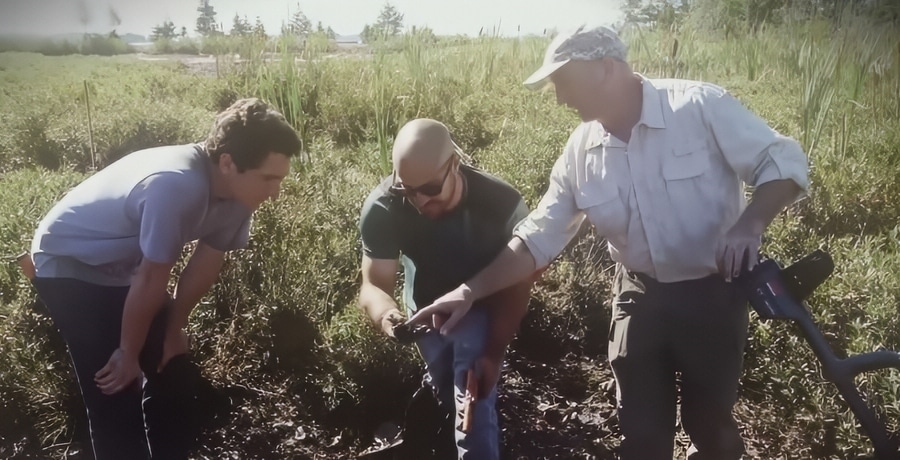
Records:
x=697, y=328
x=137, y=421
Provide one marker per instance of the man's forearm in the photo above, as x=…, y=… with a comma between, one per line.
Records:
x=768, y=200
x=146, y=297
x=196, y=279
x=513, y=265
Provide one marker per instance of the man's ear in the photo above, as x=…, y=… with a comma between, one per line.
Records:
x=226, y=164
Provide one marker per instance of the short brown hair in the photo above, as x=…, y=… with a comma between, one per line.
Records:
x=249, y=130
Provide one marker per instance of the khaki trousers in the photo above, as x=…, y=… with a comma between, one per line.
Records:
x=666, y=337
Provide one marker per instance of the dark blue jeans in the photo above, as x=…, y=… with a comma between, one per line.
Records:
x=89, y=318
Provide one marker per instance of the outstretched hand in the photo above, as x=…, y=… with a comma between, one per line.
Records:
x=446, y=312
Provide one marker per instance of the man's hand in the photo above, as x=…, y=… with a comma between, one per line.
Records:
x=391, y=319
x=447, y=310
x=120, y=371
x=738, y=251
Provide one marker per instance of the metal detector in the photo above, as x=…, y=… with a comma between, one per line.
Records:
x=778, y=293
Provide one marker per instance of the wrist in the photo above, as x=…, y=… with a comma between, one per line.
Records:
x=388, y=313
x=468, y=290
x=753, y=222
x=177, y=318
x=129, y=352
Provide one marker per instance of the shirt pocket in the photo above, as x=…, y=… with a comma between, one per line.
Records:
x=686, y=163
x=693, y=194
x=601, y=203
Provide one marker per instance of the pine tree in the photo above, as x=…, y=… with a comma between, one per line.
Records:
x=300, y=24
x=259, y=30
x=632, y=11
x=240, y=26
x=206, y=22
x=390, y=21
x=164, y=31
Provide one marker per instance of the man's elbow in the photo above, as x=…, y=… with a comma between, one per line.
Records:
x=513, y=301
x=152, y=273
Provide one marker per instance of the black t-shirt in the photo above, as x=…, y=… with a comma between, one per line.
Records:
x=440, y=254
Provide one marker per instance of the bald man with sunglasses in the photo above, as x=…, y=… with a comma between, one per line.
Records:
x=444, y=221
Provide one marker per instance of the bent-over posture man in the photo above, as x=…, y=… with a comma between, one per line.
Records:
x=444, y=221
x=103, y=257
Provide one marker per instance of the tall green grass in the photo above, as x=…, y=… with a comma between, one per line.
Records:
x=281, y=328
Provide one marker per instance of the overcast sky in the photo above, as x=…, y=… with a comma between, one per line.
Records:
x=346, y=17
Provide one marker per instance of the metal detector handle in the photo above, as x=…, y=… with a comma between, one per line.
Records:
x=778, y=293
x=769, y=295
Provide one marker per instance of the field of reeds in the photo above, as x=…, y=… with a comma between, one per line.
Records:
x=280, y=333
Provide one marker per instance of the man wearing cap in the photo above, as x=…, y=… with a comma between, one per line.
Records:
x=444, y=221
x=658, y=168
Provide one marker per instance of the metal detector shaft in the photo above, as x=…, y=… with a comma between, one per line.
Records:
x=841, y=372
x=778, y=294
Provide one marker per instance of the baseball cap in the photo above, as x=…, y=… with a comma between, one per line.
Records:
x=581, y=44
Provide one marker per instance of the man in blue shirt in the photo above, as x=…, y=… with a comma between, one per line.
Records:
x=104, y=254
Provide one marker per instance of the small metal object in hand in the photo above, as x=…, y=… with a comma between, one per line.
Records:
x=405, y=332
x=470, y=400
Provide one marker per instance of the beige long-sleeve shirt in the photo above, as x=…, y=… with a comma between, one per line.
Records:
x=665, y=199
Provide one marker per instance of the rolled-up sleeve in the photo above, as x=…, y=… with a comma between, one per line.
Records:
x=549, y=228
x=756, y=152
x=783, y=159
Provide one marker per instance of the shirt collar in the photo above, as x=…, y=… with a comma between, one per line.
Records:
x=651, y=115
x=651, y=109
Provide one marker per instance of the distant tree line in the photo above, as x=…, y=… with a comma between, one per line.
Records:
x=388, y=24
x=722, y=14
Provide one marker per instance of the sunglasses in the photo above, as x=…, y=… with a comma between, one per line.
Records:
x=433, y=188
